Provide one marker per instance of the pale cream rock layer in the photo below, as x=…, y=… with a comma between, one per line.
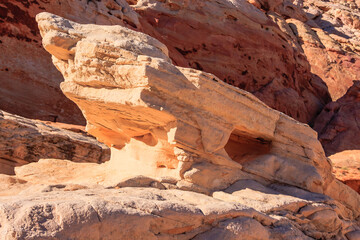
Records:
x=180, y=123
x=141, y=207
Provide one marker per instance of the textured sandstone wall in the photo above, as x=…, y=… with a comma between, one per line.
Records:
x=346, y=168
x=239, y=44
x=332, y=46
x=338, y=123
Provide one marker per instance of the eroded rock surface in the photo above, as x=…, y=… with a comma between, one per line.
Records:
x=338, y=123
x=347, y=168
x=29, y=82
x=328, y=34
x=281, y=51
x=24, y=140
x=164, y=121
x=191, y=156
x=330, y=40
x=78, y=212
x=241, y=45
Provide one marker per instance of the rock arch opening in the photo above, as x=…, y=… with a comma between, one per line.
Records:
x=242, y=147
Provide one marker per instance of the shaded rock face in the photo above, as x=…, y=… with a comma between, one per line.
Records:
x=23, y=141
x=29, y=82
x=338, y=123
x=242, y=46
x=347, y=168
x=178, y=124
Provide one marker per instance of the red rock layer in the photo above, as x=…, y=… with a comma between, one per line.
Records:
x=242, y=46
x=29, y=83
x=338, y=124
x=335, y=56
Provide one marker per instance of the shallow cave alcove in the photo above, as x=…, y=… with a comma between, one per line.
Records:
x=242, y=147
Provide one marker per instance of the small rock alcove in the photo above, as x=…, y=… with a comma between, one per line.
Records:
x=242, y=147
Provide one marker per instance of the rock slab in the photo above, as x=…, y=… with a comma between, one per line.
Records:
x=23, y=141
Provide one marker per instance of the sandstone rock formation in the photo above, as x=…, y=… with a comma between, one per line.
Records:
x=338, y=123
x=264, y=47
x=147, y=213
x=23, y=141
x=330, y=40
x=327, y=32
x=180, y=124
x=242, y=46
x=347, y=168
x=191, y=156
x=29, y=82
x=338, y=18
x=236, y=46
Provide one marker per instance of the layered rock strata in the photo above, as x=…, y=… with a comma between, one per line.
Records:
x=178, y=124
x=23, y=141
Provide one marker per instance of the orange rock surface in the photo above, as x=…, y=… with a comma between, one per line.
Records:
x=192, y=157
x=347, y=168
x=185, y=164
x=164, y=121
x=242, y=46
x=338, y=123
x=331, y=42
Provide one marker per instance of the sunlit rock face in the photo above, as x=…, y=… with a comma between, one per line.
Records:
x=164, y=121
x=244, y=46
x=346, y=168
x=331, y=57
x=191, y=156
x=332, y=46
